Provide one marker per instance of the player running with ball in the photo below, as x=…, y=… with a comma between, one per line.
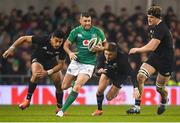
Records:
x=83, y=61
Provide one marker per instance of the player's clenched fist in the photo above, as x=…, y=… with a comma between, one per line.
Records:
x=133, y=50
x=8, y=52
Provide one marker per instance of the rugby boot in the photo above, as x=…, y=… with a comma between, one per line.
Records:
x=162, y=108
x=133, y=110
x=60, y=114
x=24, y=104
x=97, y=113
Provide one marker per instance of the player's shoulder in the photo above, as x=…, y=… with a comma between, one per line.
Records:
x=101, y=58
x=122, y=55
x=97, y=28
x=77, y=28
x=162, y=26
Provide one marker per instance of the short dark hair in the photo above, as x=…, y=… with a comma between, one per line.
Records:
x=111, y=46
x=155, y=11
x=85, y=14
x=58, y=34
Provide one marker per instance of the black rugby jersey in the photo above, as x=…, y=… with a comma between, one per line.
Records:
x=118, y=67
x=44, y=51
x=162, y=33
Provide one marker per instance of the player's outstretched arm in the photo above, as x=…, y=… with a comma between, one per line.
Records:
x=18, y=42
x=151, y=46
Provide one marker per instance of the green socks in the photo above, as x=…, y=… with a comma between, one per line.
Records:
x=72, y=96
x=72, y=84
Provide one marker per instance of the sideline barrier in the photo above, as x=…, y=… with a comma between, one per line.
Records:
x=13, y=95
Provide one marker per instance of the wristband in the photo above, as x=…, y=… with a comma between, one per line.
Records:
x=12, y=47
x=50, y=71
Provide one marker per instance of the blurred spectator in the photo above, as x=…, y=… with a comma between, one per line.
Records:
x=107, y=14
x=169, y=16
x=4, y=38
x=29, y=16
x=123, y=16
x=137, y=12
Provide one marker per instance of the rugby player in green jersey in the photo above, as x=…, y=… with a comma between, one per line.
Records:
x=83, y=61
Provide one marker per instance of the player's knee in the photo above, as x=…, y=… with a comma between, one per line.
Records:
x=141, y=78
x=109, y=97
x=59, y=90
x=34, y=78
x=159, y=87
x=99, y=92
x=77, y=87
x=64, y=87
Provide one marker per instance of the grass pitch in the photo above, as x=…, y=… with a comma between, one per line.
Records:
x=46, y=113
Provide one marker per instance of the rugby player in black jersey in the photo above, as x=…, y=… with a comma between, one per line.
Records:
x=48, y=59
x=113, y=66
x=161, y=58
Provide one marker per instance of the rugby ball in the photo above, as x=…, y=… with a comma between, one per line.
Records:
x=93, y=42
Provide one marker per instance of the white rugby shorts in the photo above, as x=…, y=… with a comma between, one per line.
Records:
x=76, y=68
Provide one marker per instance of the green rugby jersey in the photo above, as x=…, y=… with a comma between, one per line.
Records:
x=82, y=37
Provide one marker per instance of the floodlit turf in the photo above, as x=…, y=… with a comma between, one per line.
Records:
x=83, y=114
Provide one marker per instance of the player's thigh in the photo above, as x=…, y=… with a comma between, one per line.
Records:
x=162, y=80
x=56, y=76
x=35, y=67
x=82, y=79
x=112, y=93
x=103, y=83
x=66, y=83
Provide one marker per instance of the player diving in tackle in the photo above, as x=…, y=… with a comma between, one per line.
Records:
x=112, y=66
x=161, y=58
x=48, y=59
x=83, y=61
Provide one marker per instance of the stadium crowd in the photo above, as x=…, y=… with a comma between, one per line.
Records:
x=126, y=30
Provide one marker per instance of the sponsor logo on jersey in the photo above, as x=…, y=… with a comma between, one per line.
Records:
x=92, y=41
x=57, y=52
x=44, y=48
x=48, y=52
x=79, y=35
x=151, y=33
x=93, y=35
x=86, y=42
